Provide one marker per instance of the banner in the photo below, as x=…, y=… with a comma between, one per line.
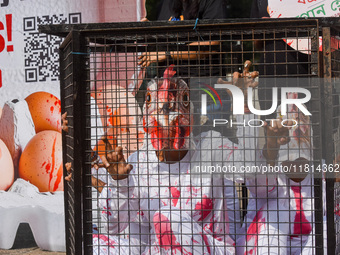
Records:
x=304, y=9
x=31, y=164
x=29, y=60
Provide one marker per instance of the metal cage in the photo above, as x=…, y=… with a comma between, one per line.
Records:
x=158, y=209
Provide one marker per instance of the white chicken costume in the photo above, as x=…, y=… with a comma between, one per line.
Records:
x=175, y=209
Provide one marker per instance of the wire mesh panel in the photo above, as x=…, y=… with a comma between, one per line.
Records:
x=332, y=94
x=68, y=152
x=201, y=138
x=73, y=80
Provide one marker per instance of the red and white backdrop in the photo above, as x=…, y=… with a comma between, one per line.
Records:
x=30, y=128
x=304, y=9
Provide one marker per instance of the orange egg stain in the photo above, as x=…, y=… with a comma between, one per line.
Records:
x=53, y=162
x=109, y=119
x=58, y=123
x=59, y=176
x=48, y=167
x=114, y=118
x=58, y=102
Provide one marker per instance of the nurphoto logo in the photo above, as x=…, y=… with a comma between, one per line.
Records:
x=238, y=104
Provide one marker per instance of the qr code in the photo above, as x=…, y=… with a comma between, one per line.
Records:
x=41, y=50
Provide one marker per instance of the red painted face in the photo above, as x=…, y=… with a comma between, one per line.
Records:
x=167, y=112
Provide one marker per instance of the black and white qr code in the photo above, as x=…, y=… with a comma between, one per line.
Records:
x=41, y=50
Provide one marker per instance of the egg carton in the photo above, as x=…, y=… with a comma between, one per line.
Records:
x=44, y=212
x=16, y=128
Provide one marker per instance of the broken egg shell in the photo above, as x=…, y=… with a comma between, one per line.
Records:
x=6, y=167
x=41, y=162
x=45, y=109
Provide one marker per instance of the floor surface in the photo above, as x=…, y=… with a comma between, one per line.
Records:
x=25, y=244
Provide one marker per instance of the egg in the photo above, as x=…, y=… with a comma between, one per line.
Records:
x=6, y=167
x=45, y=109
x=41, y=161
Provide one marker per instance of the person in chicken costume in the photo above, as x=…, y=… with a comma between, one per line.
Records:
x=178, y=210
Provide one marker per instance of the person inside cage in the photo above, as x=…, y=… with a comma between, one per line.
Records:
x=283, y=223
x=165, y=187
x=290, y=199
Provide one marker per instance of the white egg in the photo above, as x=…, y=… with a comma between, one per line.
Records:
x=6, y=167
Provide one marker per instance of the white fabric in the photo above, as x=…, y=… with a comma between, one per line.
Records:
x=198, y=212
x=282, y=221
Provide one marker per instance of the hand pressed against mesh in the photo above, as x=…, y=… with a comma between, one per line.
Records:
x=243, y=81
x=64, y=126
x=276, y=135
x=246, y=79
x=116, y=164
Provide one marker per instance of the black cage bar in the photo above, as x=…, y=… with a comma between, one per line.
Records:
x=109, y=98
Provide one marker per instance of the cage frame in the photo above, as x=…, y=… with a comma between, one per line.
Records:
x=78, y=218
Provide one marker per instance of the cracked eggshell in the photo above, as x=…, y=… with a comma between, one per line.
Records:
x=6, y=167
x=41, y=162
x=45, y=109
x=16, y=128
